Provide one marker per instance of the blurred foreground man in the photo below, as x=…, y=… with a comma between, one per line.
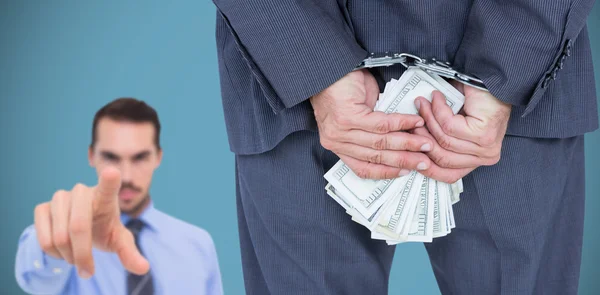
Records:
x=294, y=106
x=109, y=238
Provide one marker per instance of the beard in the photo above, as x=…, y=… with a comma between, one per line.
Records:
x=137, y=208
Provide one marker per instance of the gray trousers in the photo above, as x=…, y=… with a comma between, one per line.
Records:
x=519, y=225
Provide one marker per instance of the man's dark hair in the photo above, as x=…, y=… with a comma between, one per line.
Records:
x=128, y=109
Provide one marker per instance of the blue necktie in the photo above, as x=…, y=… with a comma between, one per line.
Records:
x=138, y=285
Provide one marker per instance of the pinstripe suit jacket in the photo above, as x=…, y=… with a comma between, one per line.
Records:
x=274, y=55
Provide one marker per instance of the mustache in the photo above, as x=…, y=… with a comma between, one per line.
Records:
x=131, y=186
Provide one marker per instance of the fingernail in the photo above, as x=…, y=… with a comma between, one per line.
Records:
x=422, y=166
x=425, y=148
x=404, y=172
x=85, y=274
x=420, y=124
x=417, y=104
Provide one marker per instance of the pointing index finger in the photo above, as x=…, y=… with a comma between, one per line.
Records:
x=108, y=186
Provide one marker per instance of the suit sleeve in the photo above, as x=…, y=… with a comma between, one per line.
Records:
x=518, y=47
x=36, y=272
x=294, y=49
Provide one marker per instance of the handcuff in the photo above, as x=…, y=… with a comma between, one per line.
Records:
x=432, y=66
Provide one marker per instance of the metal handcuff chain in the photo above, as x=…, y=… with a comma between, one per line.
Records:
x=432, y=66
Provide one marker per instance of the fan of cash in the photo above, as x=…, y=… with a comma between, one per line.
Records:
x=411, y=208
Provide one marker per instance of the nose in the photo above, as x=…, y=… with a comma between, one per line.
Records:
x=126, y=171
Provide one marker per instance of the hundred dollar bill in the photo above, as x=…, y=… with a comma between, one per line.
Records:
x=421, y=227
x=368, y=195
x=411, y=208
x=366, y=221
x=445, y=226
x=414, y=83
x=395, y=216
x=364, y=195
x=437, y=227
x=450, y=210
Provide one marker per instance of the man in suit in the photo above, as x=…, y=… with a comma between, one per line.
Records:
x=109, y=238
x=294, y=106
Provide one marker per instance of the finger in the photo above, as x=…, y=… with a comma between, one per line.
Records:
x=107, y=190
x=444, y=140
x=130, y=256
x=371, y=89
x=60, y=208
x=452, y=125
x=80, y=230
x=448, y=159
x=43, y=229
x=380, y=122
x=368, y=170
x=399, y=159
x=446, y=175
x=399, y=141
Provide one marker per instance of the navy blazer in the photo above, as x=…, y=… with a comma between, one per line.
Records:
x=274, y=55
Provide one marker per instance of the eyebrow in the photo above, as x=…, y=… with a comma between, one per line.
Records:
x=111, y=155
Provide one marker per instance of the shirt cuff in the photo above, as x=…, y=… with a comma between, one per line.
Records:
x=35, y=260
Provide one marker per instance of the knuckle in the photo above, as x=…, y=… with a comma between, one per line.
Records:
x=445, y=142
x=487, y=139
x=389, y=175
x=375, y=157
x=61, y=239
x=488, y=153
x=382, y=126
x=400, y=123
x=341, y=120
x=403, y=143
x=60, y=195
x=493, y=160
x=325, y=143
x=39, y=208
x=401, y=162
x=380, y=143
x=77, y=226
x=447, y=127
x=442, y=161
x=47, y=246
x=79, y=187
x=439, y=159
x=362, y=173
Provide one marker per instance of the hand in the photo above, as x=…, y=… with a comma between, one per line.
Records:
x=365, y=140
x=447, y=175
x=470, y=140
x=68, y=226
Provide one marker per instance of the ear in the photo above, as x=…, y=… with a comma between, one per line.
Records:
x=91, y=156
x=159, y=156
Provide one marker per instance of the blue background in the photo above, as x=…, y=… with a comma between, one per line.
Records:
x=60, y=61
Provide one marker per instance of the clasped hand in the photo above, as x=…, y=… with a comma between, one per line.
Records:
x=437, y=143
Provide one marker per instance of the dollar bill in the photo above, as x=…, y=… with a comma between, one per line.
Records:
x=412, y=208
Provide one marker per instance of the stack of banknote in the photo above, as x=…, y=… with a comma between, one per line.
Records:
x=411, y=208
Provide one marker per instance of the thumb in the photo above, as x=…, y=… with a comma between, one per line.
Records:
x=109, y=183
x=128, y=253
x=371, y=89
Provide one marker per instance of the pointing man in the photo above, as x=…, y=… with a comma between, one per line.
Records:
x=109, y=238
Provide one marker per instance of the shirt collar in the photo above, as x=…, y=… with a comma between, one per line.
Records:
x=149, y=217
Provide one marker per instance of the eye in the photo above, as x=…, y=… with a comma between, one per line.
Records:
x=140, y=158
x=110, y=158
